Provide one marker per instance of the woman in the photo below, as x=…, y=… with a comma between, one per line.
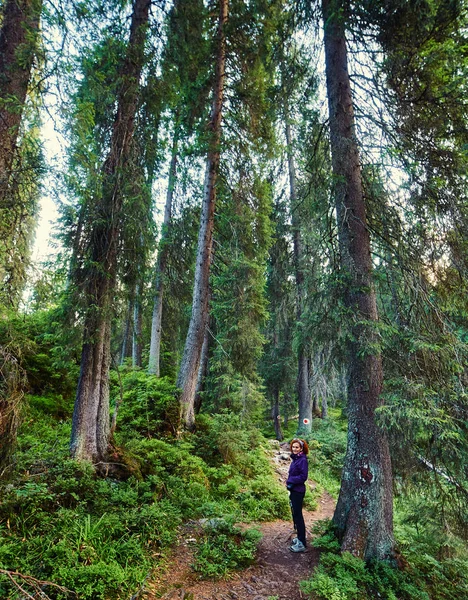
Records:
x=295, y=483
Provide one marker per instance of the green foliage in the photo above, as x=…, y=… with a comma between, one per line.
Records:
x=346, y=577
x=60, y=521
x=20, y=191
x=147, y=405
x=436, y=554
x=39, y=343
x=327, y=450
x=97, y=536
x=224, y=548
x=241, y=475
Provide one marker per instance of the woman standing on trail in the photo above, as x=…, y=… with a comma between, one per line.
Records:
x=295, y=483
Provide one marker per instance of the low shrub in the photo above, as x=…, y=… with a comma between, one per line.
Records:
x=224, y=548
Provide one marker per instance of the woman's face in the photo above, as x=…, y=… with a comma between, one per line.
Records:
x=296, y=448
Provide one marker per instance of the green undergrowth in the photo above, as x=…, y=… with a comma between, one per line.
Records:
x=421, y=576
x=99, y=537
x=224, y=547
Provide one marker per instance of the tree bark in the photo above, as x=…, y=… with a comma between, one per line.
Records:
x=276, y=416
x=126, y=334
x=325, y=406
x=202, y=371
x=90, y=426
x=19, y=36
x=363, y=515
x=303, y=392
x=188, y=371
x=137, y=347
x=156, y=323
x=18, y=46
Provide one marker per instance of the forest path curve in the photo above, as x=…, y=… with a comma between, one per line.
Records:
x=276, y=572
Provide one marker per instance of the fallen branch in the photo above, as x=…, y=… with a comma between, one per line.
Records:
x=35, y=584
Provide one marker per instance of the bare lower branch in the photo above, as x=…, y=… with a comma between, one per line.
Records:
x=35, y=584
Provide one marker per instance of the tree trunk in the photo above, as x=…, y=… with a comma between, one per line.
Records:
x=363, y=515
x=276, y=416
x=316, y=403
x=202, y=371
x=303, y=392
x=324, y=406
x=126, y=334
x=156, y=323
x=90, y=426
x=19, y=36
x=18, y=46
x=137, y=347
x=188, y=372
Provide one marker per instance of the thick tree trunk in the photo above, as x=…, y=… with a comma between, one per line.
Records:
x=156, y=323
x=90, y=426
x=188, y=372
x=18, y=46
x=303, y=392
x=363, y=514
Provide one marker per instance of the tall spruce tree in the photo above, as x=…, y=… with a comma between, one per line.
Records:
x=364, y=512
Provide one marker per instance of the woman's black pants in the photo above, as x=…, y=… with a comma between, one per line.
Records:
x=295, y=500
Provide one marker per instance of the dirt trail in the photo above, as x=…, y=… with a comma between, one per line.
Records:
x=275, y=574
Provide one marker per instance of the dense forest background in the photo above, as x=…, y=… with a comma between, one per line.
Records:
x=262, y=233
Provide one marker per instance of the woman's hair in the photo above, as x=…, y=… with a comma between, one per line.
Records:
x=302, y=443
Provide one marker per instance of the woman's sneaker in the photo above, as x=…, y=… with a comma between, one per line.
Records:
x=298, y=546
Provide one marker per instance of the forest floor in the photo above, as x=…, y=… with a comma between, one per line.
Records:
x=275, y=574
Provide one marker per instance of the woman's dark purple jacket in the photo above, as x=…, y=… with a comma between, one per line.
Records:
x=298, y=473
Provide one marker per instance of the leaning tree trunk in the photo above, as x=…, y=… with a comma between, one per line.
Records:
x=91, y=426
x=156, y=322
x=303, y=392
x=188, y=372
x=363, y=515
